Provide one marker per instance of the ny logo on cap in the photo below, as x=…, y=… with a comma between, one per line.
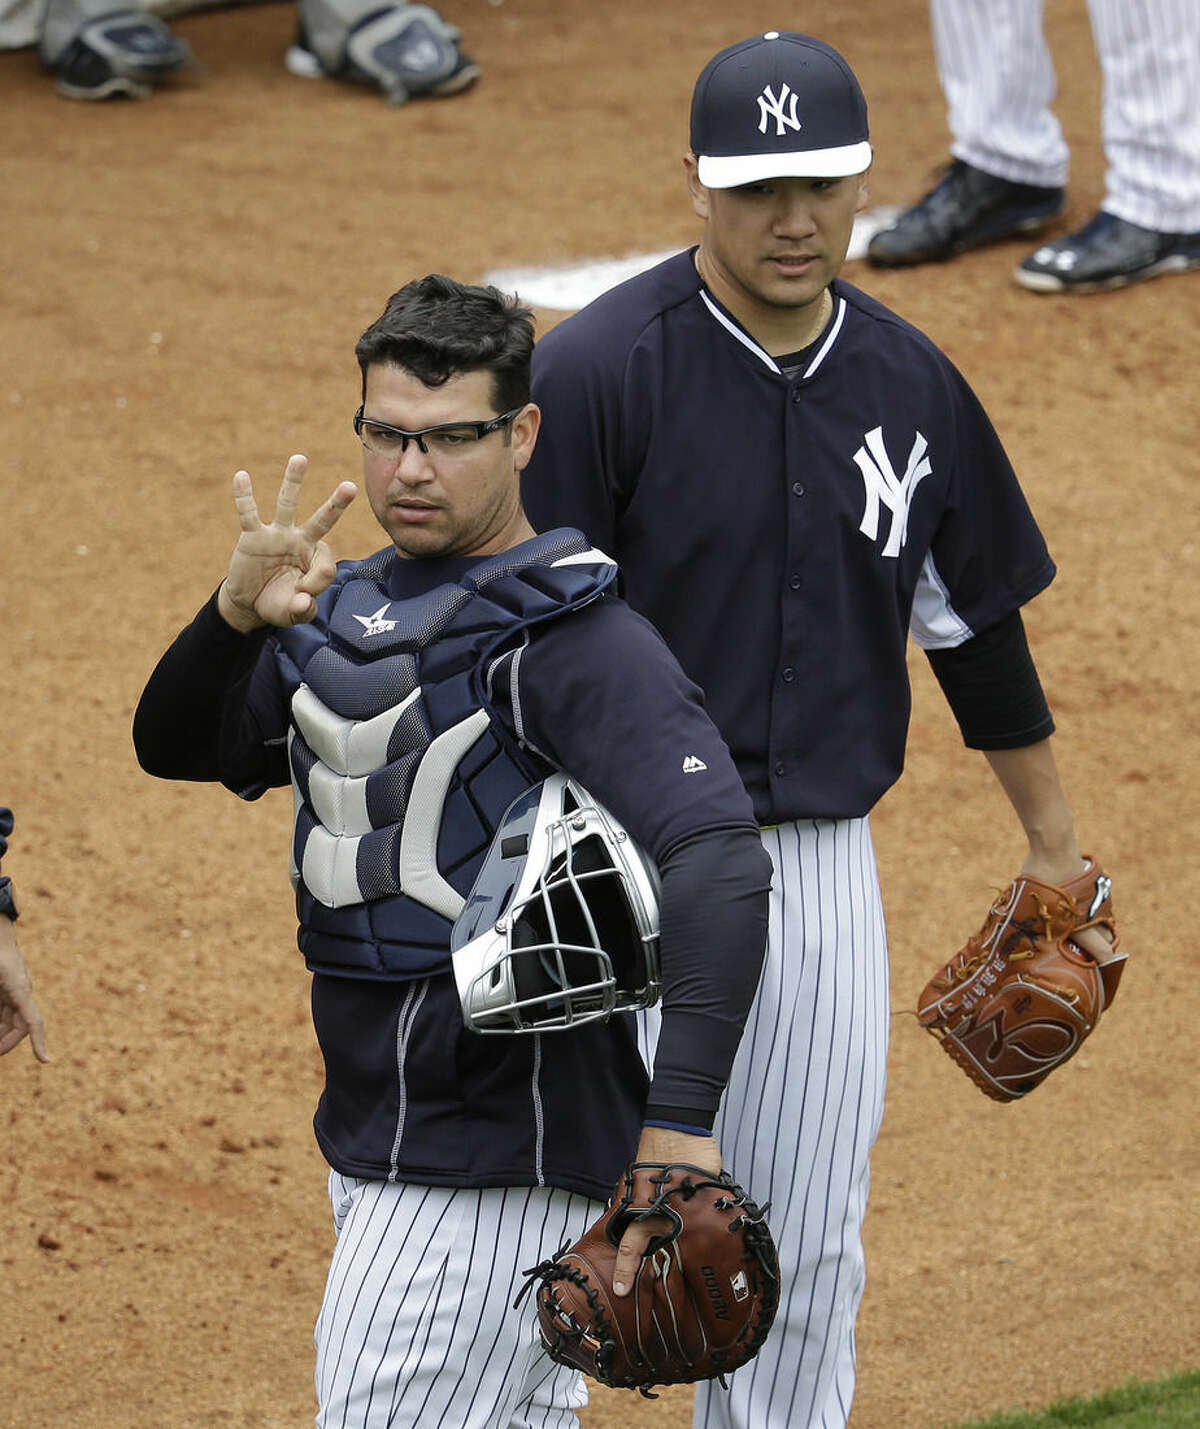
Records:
x=771, y=108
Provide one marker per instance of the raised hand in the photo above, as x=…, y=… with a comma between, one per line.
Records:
x=277, y=571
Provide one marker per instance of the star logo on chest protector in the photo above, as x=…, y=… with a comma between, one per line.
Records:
x=375, y=624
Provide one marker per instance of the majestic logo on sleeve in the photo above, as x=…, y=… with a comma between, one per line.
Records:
x=885, y=488
x=375, y=624
x=771, y=108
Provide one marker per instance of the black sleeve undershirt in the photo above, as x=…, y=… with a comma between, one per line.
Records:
x=992, y=687
x=181, y=728
x=715, y=889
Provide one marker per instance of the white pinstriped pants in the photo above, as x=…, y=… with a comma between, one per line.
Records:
x=799, y=1117
x=999, y=82
x=417, y=1326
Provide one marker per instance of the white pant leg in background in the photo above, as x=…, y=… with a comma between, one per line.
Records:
x=417, y=1326
x=998, y=78
x=20, y=23
x=799, y=1117
x=1150, y=60
x=21, y=20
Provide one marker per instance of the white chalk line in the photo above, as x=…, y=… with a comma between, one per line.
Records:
x=570, y=286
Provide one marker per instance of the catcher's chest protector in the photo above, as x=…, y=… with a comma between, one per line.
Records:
x=400, y=769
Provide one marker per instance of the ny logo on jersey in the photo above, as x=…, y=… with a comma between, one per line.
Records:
x=375, y=624
x=771, y=108
x=884, y=488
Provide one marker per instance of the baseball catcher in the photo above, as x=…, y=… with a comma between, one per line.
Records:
x=695, y=1303
x=470, y=930
x=1021, y=996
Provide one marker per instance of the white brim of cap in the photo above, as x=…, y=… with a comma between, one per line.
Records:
x=729, y=171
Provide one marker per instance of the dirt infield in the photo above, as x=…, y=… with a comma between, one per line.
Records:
x=185, y=280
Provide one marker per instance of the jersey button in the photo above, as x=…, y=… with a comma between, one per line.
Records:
x=789, y=675
x=780, y=769
x=795, y=582
x=797, y=488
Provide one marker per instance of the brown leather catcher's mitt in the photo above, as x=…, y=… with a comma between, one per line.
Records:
x=703, y=1297
x=1020, y=998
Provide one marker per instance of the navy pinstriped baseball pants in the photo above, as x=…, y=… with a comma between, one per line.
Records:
x=800, y=1116
x=417, y=1326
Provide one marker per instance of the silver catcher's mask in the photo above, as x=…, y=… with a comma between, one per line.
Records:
x=561, y=927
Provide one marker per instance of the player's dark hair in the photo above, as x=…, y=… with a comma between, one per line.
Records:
x=437, y=328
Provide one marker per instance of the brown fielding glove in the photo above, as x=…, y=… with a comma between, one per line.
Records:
x=703, y=1297
x=1020, y=998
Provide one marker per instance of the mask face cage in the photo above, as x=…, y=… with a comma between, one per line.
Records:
x=561, y=927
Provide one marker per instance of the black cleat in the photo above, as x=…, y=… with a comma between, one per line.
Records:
x=1108, y=252
x=967, y=208
x=122, y=54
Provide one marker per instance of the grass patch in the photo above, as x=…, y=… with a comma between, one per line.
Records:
x=1169, y=1403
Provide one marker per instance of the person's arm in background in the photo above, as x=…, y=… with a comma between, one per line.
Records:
x=19, y=1015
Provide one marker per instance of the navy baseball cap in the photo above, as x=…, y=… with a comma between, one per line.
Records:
x=779, y=105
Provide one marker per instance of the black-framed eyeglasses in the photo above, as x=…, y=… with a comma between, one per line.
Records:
x=446, y=439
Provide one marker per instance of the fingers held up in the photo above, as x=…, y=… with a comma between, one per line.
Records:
x=277, y=571
x=289, y=490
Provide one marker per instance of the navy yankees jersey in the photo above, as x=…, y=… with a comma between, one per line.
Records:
x=410, y=1094
x=785, y=533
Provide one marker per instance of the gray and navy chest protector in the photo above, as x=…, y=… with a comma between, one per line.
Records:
x=401, y=767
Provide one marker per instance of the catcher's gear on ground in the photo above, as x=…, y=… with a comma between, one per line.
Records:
x=405, y=50
x=702, y=1299
x=561, y=926
x=1021, y=996
x=101, y=49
